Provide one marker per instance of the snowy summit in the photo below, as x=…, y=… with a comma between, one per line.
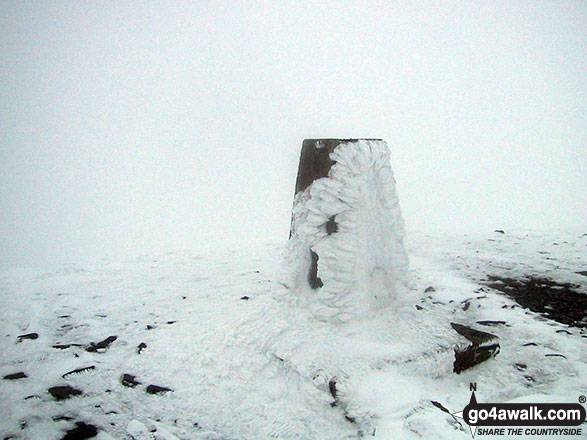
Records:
x=331, y=336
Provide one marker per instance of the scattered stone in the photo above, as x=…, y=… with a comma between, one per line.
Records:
x=65, y=346
x=429, y=289
x=62, y=417
x=151, y=327
x=15, y=376
x=332, y=388
x=521, y=367
x=555, y=355
x=419, y=307
x=477, y=337
x=79, y=370
x=245, y=298
x=529, y=378
x=491, y=323
x=483, y=346
x=141, y=347
x=473, y=355
x=441, y=407
x=583, y=272
x=499, y=231
x=349, y=418
x=171, y=322
x=81, y=431
x=562, y=330
x=466, y=306
x=560, y=302
x=530, y=344
x=128, y=380
x=63, y=392
x=28, y=336
x=102, y=345
x=32, y=396
x=156, y=389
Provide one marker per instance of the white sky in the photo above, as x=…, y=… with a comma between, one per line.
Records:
x=145, y=127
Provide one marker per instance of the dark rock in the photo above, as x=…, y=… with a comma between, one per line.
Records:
x=429, y=289
x=171, y=322
x=331, y=226
x=473, y=355
x=349, y=418
x=555, y=355
x=477, y=337
x=141, y=347
x=583, y=272
x=156, y=389
x=102, y=345
x=15, y=376
x=466, y=306
x=491, y=323
x=564, y=331
x=61, y=418
x=63, y=392
x=65, y=346
x=440, y=406
x=79, y=370
x=483, y=346
x=560, y=302
x=128, y=380
x=332, y=388
x=32, y=396
x=530, y=344
x=521, y=367
x=28, y=336
x=151, y=327
x=315, y=282
x=499, y=231
x=245, y=298
x=81, y=431
x=419, y=307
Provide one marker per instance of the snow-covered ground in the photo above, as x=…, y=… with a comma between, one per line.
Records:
x=244, y=362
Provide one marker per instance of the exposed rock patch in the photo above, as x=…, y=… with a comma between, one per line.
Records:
x=28, y=336
x=15, y=376
x=102, y=345
x=156, y=389
x=79, y=370
x=128, y=380
x=63, y=392
x=560, y=302
x=483, y=347
x=81, y=431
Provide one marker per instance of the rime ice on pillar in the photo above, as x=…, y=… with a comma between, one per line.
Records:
x=345, y=255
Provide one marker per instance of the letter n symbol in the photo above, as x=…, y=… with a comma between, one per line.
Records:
x=472, y=386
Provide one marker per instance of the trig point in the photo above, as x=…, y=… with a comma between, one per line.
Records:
x=345, y=255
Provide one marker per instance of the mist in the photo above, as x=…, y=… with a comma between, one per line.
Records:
x=133, y=128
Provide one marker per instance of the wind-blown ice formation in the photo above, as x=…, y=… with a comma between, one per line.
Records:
x=346, y=255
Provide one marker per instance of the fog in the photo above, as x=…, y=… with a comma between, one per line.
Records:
x=134, y=128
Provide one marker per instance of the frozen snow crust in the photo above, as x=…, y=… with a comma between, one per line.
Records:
x=351, y=220
x=260, y=368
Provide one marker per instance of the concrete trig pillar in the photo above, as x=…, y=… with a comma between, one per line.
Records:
x=345, y=256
